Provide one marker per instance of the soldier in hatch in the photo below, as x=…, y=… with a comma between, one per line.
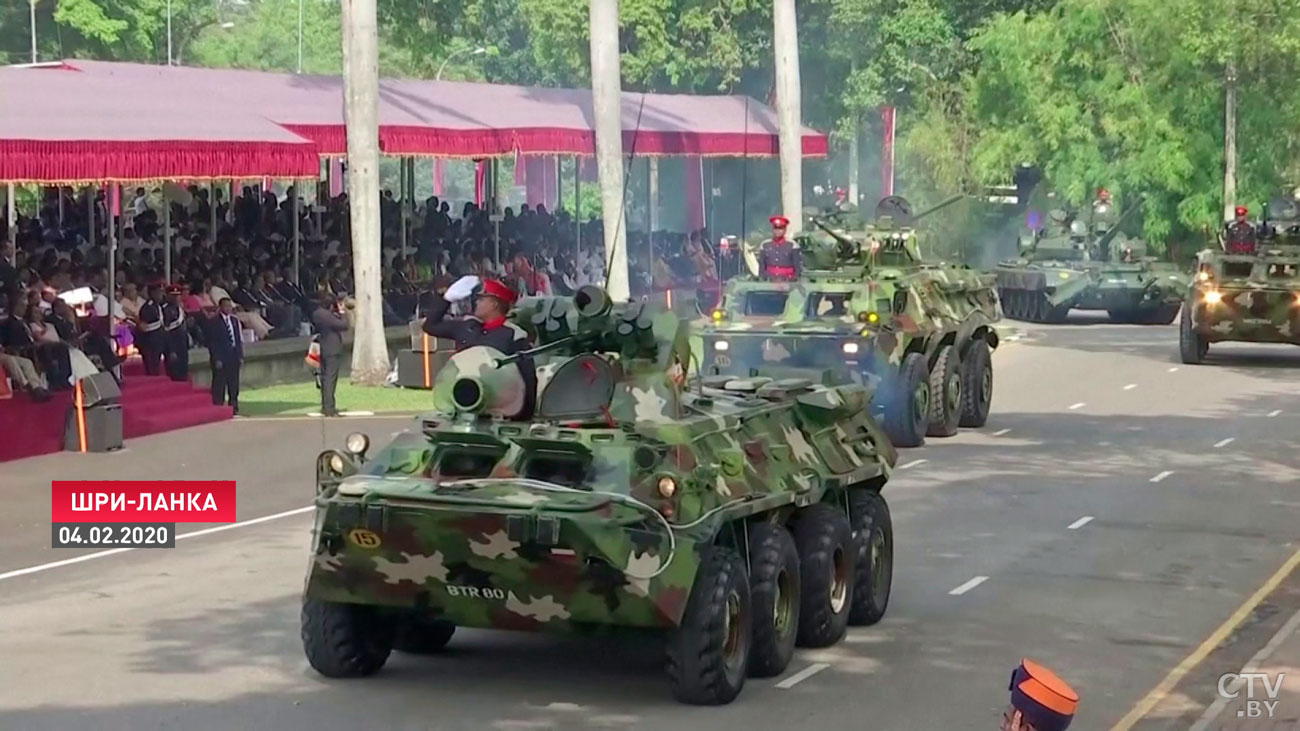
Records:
x=488, y=326
x=1040, y=701
x=779, y=259
x=1240, y=235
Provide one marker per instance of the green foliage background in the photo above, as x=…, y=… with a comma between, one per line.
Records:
x=1127, y=94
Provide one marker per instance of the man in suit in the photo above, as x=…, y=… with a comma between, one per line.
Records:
x=330, y=324
x=226, y=353
x=150, y=338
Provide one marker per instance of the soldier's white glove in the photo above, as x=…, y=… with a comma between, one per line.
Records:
x=461, y=288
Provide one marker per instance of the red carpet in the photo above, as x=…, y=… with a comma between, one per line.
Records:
x=150, y=404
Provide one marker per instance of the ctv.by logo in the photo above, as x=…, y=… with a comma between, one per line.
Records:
x=1230, y=689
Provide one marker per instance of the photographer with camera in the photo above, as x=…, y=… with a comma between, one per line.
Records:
x=330, y=323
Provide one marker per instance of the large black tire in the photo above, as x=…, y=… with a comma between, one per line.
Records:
x=1192, y=346
x=345, y=640
x=825, y=542
x=1058, y=314
x=873, y=544
x=907, y=406
x=774, y=593
x=418, y=635
x=708, y=655
x=977, y=384
x=945, y=393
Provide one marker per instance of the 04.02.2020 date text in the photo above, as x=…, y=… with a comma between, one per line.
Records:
x=113, y=535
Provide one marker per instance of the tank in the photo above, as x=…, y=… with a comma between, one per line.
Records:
x=737, y=516
x=869, y=309
x=1246, y=297
x=1077, y=264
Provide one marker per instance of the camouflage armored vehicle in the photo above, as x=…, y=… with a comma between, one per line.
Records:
x=870, y=310
x=1239, y=295
x=1071, y=265
x=738, y=516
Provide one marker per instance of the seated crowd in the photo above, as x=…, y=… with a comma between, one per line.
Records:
x=250, y=260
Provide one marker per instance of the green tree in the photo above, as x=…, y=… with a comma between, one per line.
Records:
x=264, y=36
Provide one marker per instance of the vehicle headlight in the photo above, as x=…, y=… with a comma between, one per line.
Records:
x=1213, y=297
x=722, y=346
x=1201, y=276
x=667, y=486
x=850, y=348
x=718, y=315
x=869, y=317
x=1065, y=275
x=357, y=444
x=336, y=464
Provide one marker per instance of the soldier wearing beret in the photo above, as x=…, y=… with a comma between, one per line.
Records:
x=1241, y=237
x=1040, y=701
x=779, y=259
x=488, y=326
x=176, y=337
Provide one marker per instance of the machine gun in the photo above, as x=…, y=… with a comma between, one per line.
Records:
x=892, y=229
x=1103, y=244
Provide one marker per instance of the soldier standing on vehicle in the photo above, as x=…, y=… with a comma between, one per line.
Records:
x=779, y=259
x=1040, y=701
x=1241, y=237
x=488, y=326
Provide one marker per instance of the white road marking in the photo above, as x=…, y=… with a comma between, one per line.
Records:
x=1077, y=406
x=1174, y=369
x=1130, y=387
x=1000, y=432
x=1081, y=522
x=1162, y=476
x=1274, y=412
x=180, y=536
x=1285, y=503
x=344, y=413
x=1224, y=442
x=913, y=463
x=968, y=585
x=803, y=675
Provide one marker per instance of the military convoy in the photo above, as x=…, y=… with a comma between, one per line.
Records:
x=1246, y=293
x=868, y=308
x=1071, y=265
x=740, y=516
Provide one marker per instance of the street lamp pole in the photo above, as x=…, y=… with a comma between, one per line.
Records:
x=474, y=52
x=300, y=36
x=31, y=8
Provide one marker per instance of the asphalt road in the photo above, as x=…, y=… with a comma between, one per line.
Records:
x=1115, y=511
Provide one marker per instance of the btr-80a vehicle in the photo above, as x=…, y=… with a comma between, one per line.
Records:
x=739, y=516
x=1247, y=290
x=1073, y=266
x=868, y=308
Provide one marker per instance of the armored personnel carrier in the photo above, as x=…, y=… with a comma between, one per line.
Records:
x=1070, y=265
x=740, y=516
x=1247, y=290
x=867, y=308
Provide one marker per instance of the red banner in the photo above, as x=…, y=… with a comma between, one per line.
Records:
x=439, y=176
x=887, y=119
x=694, y=186
x=480, y=182
x=142, y=501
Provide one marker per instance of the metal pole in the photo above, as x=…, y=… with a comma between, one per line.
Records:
x=652, y=202
x=405, y=194
x=854, y=136
x=167, y=237
x=31, y=9
x=299, y=41
x=59, y=189
x=11, y=216
x=577, y=205
x=113, y=189
x=169, y=32
x=90, y=215
x=296, y=245
x=212, y=208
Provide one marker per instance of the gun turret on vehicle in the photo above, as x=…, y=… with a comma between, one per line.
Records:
x=870, y=309
x=1075, y=263
x=738, y=515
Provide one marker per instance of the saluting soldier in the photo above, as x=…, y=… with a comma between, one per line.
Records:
x=779, y=260
x=151, y=340
x=176, y=355
x=1040, y=701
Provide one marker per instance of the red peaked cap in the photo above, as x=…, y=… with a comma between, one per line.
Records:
x=1045, y=700
x=779, y=221
x=498, y=289
x=1241, y=210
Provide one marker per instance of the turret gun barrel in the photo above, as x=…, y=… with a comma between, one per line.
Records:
x=939, y=206
x=1113, y=231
